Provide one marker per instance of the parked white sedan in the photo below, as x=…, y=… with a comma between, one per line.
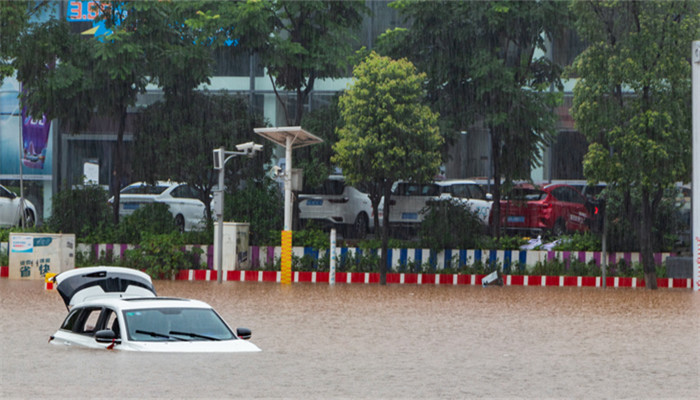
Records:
x=187, y=209
x=10, y=209
x=334, y=203
x=117, y=309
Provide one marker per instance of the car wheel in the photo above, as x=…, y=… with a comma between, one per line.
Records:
x=360, y=226
x=559, y=228
x=180, y=223
x=29, y=220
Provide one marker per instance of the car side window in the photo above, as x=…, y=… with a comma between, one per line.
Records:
x=184, y=192
x=576, y=197
x=70, y=322
x=90, y=320
x=561, y=194
x=110, y=321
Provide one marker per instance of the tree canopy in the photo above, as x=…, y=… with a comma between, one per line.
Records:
x=175, y=141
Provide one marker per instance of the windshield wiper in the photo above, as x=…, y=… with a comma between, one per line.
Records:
x=192, y=334
x=156, y=334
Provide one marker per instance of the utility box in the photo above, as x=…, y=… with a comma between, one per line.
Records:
x=33, y=255
x=235, y=252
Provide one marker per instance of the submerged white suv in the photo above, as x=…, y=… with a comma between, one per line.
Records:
x=335, y=204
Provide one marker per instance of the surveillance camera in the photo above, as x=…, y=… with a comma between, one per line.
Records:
x=249, y=147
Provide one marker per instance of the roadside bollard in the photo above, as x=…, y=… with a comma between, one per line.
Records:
x=48, y=281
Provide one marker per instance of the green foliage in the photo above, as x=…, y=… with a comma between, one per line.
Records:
x=632, y=99
x=449, y=224
x=504, y=242
x=260, y=204
x=4, y=258
x=82, y=210
x=147, y=220
x=162, y=256
x=487, y=69
x=315, y=160
x=585, y=241
x=314, y=238
x=384, y=124
x=387, y=133
x=182, y=132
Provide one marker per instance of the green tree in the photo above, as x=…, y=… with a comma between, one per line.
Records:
x=181, y=134
x=632, y=100
x=298, y=41
x=17, y=18
x=315, y=160
x=74, y=78
x=387, y=134
x=486, y=67
x=311, y=40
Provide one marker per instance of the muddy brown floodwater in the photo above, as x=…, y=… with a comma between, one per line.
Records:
x=371, y=341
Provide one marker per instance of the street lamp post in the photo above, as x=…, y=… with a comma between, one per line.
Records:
x=288, y=137
x=221, y=156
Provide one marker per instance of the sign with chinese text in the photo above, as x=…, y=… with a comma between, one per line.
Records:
x=34, y=255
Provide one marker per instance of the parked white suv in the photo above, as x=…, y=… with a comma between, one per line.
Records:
x=409, y=200
x=469, y=193
x=335, y=204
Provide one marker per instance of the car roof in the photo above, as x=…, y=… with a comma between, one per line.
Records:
x=139, y=303
x=156, y=183
x=449, y=182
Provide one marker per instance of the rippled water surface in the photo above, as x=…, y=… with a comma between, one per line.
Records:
x=371, y=341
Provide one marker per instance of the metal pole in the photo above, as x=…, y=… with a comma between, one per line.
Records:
x=331, y=277
x=286, y=256
x=696, y=164
x=288, y=185
x=604, y=251
x=23, y=216
x=220, y=217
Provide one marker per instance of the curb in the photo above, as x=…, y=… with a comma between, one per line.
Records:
x=420, y=279
x=429, y=279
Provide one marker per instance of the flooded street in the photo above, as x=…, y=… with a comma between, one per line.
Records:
x=369, y=341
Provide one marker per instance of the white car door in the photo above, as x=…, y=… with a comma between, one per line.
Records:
x=184, y=201
x=8, y=208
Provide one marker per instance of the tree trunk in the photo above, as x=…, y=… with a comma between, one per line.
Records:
x=645, y=242
x=385, y=235
x=118, y=164
x=496, y=192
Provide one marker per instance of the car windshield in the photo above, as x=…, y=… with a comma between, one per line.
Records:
x=144, y=189
x=171, y=324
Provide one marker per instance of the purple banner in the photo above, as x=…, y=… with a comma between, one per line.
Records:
x=35, y=137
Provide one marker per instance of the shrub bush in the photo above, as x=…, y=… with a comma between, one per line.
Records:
x=83, y=211
x=162, y=256
x=448, y=224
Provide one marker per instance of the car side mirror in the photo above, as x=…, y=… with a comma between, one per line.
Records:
x=105, y=336
x=243, y=333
